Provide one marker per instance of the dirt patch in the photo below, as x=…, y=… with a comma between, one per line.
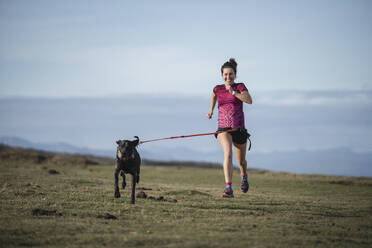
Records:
x=43, y=212
x=107, y=216
x=53, y=172
x=143, y=195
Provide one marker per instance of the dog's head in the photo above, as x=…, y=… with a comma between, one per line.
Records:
x=126, y=148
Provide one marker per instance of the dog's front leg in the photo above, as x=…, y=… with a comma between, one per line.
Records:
x=134, y=179
x=116, y=179
x=124, y=184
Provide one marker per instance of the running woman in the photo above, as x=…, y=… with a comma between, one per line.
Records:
x=230, y=97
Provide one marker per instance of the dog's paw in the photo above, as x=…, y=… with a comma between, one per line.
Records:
x=117, y=194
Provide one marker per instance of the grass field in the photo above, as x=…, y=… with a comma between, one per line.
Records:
x=68, y=201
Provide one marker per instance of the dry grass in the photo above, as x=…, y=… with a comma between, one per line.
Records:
x=73, y=207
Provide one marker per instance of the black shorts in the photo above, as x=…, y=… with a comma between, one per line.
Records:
x=239, y=136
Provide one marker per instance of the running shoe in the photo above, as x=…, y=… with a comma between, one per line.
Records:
x=228, y=193
x=244, y=186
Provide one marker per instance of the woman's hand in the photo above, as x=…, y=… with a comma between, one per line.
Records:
x=209, y=115
x=228, y=87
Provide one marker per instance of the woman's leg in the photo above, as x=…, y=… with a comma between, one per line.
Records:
x=225, y=140
x=240, y=152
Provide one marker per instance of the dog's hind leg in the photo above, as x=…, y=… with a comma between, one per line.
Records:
x=116, y=179
x=134, y=179
x=122, y=174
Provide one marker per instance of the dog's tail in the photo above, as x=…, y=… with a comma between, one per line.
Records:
x=136, y=142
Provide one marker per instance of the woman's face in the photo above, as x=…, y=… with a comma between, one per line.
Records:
x=228, y=75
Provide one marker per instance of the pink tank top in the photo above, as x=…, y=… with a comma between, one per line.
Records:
x=230, y=108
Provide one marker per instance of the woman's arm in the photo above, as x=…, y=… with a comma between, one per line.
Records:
x=211, y=105
x=244, y=96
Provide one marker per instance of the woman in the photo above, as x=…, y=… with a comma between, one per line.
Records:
x=230, y=97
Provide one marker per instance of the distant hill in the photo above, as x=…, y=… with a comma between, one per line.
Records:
x=43, y=157
x=8, y=153
x=54, y=147
x=337, y=161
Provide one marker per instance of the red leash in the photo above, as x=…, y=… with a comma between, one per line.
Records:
x=187, y=136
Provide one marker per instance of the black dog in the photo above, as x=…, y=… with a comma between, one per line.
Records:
x=127, y=161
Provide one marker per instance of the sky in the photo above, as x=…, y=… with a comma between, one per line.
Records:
x=60, y=49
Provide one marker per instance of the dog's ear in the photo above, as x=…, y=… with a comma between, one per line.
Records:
x=136, y=142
